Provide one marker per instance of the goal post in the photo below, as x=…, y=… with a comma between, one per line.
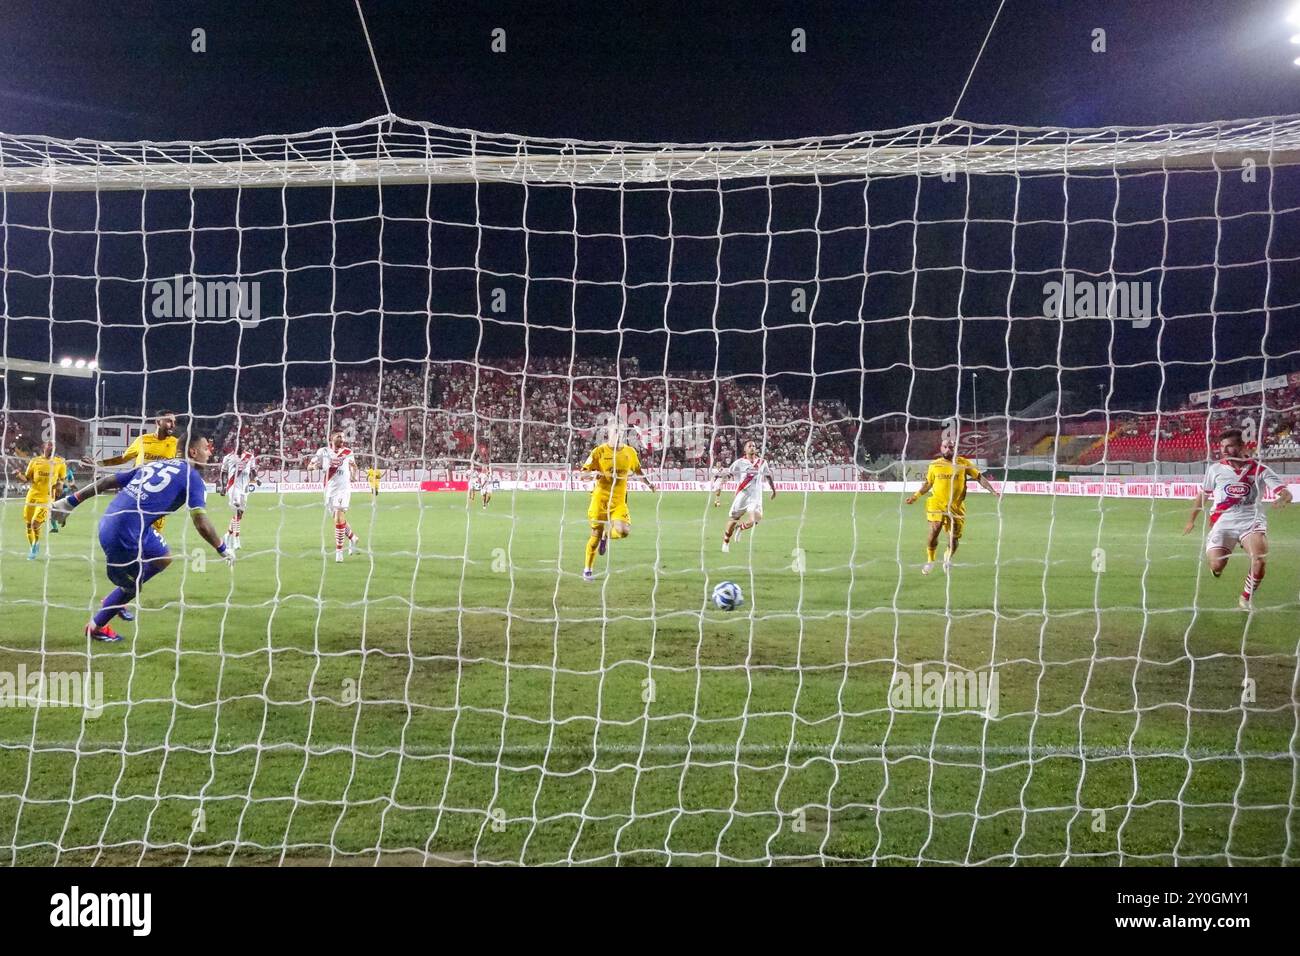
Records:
x=1049, y=674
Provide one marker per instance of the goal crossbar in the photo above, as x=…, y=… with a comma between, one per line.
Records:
x=395, y=152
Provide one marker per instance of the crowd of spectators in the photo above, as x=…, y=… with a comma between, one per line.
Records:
x=549, y=410
x=382, y=415
x=1187, y=433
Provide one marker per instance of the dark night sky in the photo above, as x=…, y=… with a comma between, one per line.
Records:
x=124, y=71
x=659, y=72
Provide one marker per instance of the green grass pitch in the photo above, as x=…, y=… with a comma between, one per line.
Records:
x=456, y=693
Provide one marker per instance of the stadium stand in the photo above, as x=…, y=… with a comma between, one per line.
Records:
x=547, y=411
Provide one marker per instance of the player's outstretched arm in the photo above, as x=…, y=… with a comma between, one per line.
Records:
x=988, y=486
x=209, y=534
x=63, y=507
x=1283, y=497
x=771, y=484
x=108, y=462
x=925, y=486
x=1196, y=512
x=641, y=474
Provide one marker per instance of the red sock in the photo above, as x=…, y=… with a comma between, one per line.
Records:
x=338, y=536
x=1252, y=582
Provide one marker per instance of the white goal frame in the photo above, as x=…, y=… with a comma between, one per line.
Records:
x=392, y=151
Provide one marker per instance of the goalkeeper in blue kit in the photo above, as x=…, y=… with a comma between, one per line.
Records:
x=134, y=549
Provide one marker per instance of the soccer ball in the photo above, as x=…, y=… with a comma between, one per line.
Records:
x=727, y=596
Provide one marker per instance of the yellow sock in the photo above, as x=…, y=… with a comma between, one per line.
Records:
x=31, y=535
x=592, y=545
x=929, y=553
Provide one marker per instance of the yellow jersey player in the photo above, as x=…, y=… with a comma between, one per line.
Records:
x=45, y=473
x=156, y=447
x=613, y=463
x=373, y=475
x=945, y=480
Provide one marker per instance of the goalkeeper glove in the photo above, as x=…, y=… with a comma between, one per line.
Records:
x=62, y=508
x=227, y=554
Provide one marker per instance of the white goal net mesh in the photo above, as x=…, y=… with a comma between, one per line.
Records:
x=1080, y=313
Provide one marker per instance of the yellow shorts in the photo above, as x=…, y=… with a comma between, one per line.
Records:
x=953, y=522
x=36, y=513
x=601, y=510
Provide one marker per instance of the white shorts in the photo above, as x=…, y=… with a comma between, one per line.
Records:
x=238, y=497
x=747, y=500
x=338, y=500
x=1227, y=532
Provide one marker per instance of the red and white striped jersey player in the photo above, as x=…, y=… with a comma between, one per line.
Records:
x=1232, y=485
x=339, y=466
x=747, y=507
x=239, y=473
x=227, y=463
x=720, y=474
x=482, y=481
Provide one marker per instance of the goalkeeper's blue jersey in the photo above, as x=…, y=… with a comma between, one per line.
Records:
x=149, y=492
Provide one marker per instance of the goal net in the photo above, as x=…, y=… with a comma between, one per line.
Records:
x=1080, y=313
